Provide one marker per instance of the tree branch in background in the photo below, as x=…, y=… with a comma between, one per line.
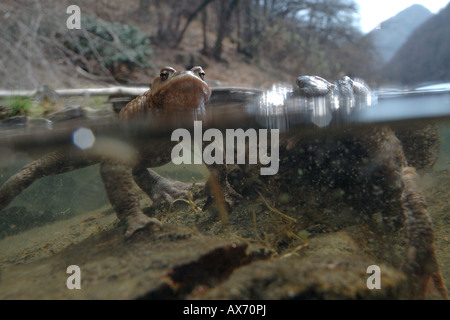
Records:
x=224, y=17
x=193, y=14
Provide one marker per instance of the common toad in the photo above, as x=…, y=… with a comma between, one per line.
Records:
x=173, y=91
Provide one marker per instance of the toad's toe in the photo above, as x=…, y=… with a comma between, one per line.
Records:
x=139, y=222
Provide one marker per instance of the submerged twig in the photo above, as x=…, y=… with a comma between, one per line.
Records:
x=188, y=201
x=276, y=210
x=293, y=251
x=256, y=228
x=219, y=197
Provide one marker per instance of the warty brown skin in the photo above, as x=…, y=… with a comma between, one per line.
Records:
x=172, y=91
x=420, y=265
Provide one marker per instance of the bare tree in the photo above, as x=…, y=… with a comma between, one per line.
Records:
x=318, y=36
x=30, y=45
x=144, y=5
x=205, y=49
x=224, y=14
x=170, y=15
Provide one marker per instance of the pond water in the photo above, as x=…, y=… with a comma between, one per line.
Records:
x=327, y=198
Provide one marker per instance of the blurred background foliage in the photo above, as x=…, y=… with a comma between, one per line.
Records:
x=112, y=44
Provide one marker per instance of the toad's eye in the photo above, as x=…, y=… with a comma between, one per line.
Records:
x=165, y=73
x=199, y=72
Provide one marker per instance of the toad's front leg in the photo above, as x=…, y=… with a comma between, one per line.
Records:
x=420, y=262
x=123, y=195
x=53, y=163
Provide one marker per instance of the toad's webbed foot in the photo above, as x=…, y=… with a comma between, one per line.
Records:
x=122, y=193
x=164, y=191
x=420, y=263
x=139, y=221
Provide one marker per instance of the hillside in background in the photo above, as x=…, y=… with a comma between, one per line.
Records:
x=241, y=43
x=425, y=57
x=394, y=32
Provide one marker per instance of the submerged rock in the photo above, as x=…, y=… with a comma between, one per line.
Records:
x=69, y=112
x=16, y=121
